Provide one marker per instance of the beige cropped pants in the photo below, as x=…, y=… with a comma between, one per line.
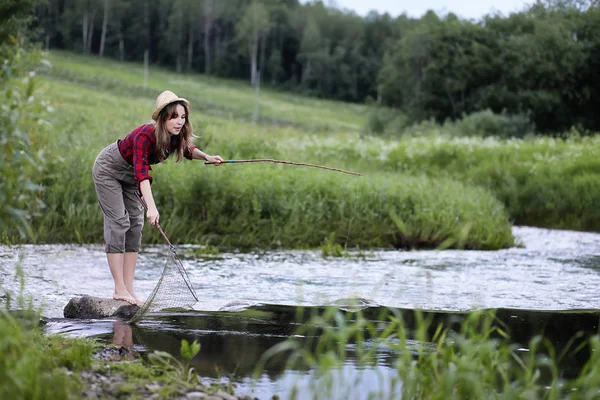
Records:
x=116, y=189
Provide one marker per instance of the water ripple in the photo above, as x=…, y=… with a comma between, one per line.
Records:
x=554, y=270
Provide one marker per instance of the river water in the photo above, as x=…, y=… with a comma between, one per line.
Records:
x=553, y=270
x=550, y=270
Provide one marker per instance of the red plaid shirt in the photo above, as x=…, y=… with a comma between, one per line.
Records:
x=138, y=149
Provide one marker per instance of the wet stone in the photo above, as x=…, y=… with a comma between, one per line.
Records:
x=89, y=307
x=196, y=396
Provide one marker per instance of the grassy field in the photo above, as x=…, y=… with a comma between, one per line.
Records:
x=429, y=190
x=229, y=98
x=424, y=190
x=248, y=206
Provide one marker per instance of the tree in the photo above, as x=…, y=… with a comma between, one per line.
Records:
x=252, y=31
x=88, y=12
x=175, y=32
x=104, y=27
x=209, y=7
x=311, y=48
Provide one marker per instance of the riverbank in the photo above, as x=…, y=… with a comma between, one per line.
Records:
x=118, y=372
x=38, y=365
x=464, y=352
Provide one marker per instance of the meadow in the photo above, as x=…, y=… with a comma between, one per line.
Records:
x=431, y=189
x=247, y=206
x=428, y=188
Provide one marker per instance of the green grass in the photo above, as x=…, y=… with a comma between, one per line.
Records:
x=475, y=361
x=213, y=93
x=546, y=182
x=426, y=191
x=252, y=205
x=34, y=366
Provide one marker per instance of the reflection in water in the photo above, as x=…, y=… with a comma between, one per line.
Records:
x=123, y=334
x=233, y=343
x=554, y=270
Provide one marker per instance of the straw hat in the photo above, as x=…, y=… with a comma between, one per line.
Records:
x=164, y=99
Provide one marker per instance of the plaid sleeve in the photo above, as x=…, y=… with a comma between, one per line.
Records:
x=188, y=152
x=142, y=147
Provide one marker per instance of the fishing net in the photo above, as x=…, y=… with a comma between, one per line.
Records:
x=172, y=291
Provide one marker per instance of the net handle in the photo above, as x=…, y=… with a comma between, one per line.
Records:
x=141, y=199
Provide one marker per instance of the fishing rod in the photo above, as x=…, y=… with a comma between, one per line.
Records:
x=141, y=199
x=269, y=160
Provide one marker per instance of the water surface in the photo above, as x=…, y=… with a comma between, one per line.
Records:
x=554, y=270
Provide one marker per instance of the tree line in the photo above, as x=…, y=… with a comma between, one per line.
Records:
x=541, y=62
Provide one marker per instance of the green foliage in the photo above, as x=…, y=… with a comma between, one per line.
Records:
x=15, y=20
x=487, y=123
x=383, y=120
x=180, y=370
x=252, y=205
x=433, y=362
x=189, y=351
x=332, y=249
x=35, y=366
x=526, y=63
x=21, y=126
x=543, y=182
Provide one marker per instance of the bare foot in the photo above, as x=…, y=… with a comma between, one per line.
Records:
x=138, y=301
x=125, y=297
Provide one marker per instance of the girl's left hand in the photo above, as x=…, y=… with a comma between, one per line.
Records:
x=216, y=160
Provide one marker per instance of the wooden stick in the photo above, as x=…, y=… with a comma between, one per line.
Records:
x=286, y=162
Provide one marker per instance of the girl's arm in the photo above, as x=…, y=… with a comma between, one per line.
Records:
x=198, y=154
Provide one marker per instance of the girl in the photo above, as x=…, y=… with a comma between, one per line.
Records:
x=122, y=168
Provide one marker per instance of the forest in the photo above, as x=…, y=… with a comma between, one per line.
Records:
x=533, y=70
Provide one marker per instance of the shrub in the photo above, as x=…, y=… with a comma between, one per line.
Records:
x=20, y=122
x=383, y=120
x=487, y=123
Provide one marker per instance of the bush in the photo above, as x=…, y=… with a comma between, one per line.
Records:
x=543, y=182
x=20, y=122
x=487, y=123
x=383, y=120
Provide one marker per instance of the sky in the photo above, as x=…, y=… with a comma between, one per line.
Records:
x=470, y=9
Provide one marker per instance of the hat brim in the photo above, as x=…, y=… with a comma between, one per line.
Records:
x=162, y=106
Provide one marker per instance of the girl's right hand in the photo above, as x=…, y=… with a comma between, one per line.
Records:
x=152, y=215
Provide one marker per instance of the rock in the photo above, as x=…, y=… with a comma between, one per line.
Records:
x=87, y=307
x=225, y=396
x=197, y=396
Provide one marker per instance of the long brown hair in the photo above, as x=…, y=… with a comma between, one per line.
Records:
x=163, y=138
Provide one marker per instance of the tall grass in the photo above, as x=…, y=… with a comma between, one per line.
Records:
x=475, y=361
x=547, y=182
x=33, y=365
x=253, y=205
x=429, y=190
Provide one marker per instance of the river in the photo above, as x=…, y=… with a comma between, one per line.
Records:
x=550, y=270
